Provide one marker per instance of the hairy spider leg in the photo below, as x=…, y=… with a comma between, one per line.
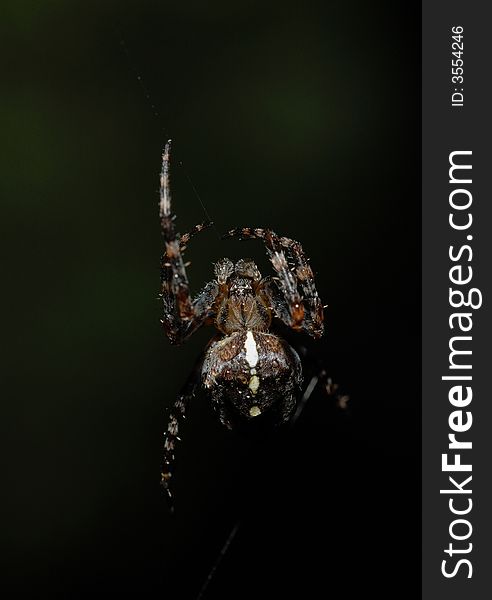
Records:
x=298, y=312
x=177, y=415
x=181, y=315
x=314, y=367
x=186, y=237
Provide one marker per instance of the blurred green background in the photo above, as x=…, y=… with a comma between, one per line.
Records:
x=302, y=117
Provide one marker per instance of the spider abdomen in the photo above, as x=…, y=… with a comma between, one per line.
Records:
x=250, y=373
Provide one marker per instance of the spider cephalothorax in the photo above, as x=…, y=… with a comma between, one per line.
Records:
x=247, y=370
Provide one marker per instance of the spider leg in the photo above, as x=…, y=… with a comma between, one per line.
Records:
x=182, y=315
x=295, y=276
x=177, y=415
x=286, y=408
x=186, y=237
x=314, y=314
x=273, y=297
x=315, y=368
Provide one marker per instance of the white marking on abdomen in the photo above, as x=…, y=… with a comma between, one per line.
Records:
x=254, y=384
x=251, y=350
x=254, y=411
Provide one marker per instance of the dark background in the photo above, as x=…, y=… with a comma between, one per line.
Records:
x=300, y=117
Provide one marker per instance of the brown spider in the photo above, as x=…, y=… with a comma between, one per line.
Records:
x=247, y=370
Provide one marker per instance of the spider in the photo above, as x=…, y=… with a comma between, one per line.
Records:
x=246, y=369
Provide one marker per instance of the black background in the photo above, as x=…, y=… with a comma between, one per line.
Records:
x=303, y=118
